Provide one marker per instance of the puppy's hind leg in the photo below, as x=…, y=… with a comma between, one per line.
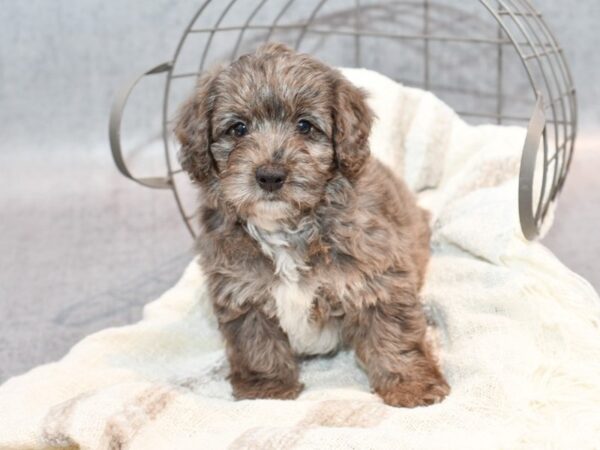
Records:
x=261, y=359
x=390, y=344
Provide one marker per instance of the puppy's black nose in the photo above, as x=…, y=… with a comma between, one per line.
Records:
x=271, y=177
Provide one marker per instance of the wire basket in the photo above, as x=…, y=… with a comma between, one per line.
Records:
x=491, y=60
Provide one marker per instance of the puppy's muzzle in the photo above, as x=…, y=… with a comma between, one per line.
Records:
x=271, y=177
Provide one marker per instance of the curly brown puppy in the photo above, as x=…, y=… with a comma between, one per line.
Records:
x=309, y=243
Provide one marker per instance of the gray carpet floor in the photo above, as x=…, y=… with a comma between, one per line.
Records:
x=82, y=248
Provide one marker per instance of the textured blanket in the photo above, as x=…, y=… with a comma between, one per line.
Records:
x=518, y=333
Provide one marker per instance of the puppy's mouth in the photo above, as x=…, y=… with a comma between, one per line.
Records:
x=270, y=214
x=271, y=197
x=273, y=209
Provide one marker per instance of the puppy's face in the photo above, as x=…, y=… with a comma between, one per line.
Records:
x=270, y=130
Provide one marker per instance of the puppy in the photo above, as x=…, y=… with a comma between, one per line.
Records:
x=309, y=243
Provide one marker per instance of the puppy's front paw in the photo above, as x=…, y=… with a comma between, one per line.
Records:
x=410, y=394
x=265, y=388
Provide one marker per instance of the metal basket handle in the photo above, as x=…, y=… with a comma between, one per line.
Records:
x=535, y=131
x=114, y=130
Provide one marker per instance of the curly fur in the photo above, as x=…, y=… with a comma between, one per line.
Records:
x=333, y=259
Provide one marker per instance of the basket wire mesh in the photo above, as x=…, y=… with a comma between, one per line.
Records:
x=492, y=60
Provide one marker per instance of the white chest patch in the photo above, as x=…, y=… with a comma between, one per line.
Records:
x=294, y=297
x=294, y=305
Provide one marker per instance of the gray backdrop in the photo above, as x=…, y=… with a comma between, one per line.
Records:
x=81, y=248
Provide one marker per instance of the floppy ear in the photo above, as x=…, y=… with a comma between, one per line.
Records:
x=352, y=119
x=193, y=130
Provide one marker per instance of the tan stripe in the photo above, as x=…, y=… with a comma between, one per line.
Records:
x=272, y=438
x=57, y=421
x=437, y=147
x=122, y=426
x=328, y=413
x=345, y=413
x=407, y=111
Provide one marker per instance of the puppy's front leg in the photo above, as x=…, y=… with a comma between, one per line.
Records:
x=261, y=359
x=390, y=342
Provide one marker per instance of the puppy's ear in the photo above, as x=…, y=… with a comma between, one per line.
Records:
x=193, y=130
x=352, y=119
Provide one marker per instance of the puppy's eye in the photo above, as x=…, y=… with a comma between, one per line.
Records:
x=239, y=129
x=304, y=126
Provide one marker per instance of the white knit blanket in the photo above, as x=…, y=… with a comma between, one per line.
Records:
x=518, y=333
